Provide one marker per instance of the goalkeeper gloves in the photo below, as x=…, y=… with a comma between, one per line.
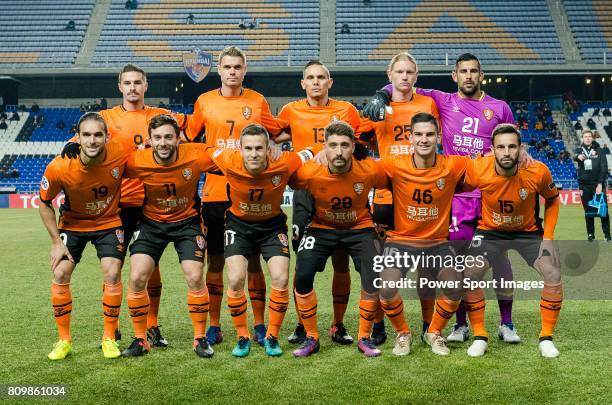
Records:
x=375, y=108
x=71, y=150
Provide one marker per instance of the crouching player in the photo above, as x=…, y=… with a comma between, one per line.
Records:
x=90, y=213
x=170, y=172
x=255, y=224
x=510, y=206
x=423, y=184
x=342, y=220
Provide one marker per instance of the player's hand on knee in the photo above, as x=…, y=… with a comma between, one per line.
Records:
x=59, y=252
x=549, y=251
x=375, y=109
x=71, y=150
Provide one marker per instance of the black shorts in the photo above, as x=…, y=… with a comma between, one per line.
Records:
x=384, y=219
x=496, y=243
x=248, y=238
x=108, y=242
x=130, y=217
x=151, y=238
x=303, y=210
x=213, y=219
x=432, y=258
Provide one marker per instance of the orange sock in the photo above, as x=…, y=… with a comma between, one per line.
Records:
x=214, y=283
x=341, y=291
x=257, y=294
x=379, y=315
x=111, y=305
x=197, y=303
x=367, y=310
x=445, y=308
x=61, y=299
x=307, y=307
x=394, y=309
x=427, y=309
x=237, y=304
x=138, y=306
x=550, y=307
x=154, y=288
x=475, y=306
x=279, y=301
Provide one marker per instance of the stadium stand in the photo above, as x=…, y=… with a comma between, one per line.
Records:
x=33, y=32
x=157, y=33
x=518, y=32
x=591, y=24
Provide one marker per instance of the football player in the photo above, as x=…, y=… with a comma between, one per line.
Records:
x=510, y=206
x=90, y=213
x=220, y=115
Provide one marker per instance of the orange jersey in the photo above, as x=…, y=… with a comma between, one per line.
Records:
x=171, y=191
x=510, y=204
x=422, y=197
x=341, y=200
x=91, y=192
x=222, y=119
x=307, y=123
x=392, y=134
x=256, y=198
x=131, y=128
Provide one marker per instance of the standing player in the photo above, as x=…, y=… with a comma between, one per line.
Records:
x=255, y=224
x=170, y=173
x=510, y=207
x=342, y=220
x=392, y=136
x=423, y=184
x=129, y=123
x=306, y=120
x=90, y=213
x=468, y=118
x=221, y=115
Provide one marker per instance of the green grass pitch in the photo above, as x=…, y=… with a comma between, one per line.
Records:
x=506, y=374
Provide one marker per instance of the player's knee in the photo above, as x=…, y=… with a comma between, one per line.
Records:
x=61, y=276
x=550, y=273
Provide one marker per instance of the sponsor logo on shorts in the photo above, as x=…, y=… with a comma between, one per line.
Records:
x=523, y=194
x=120, y=248
x=187, y=173
x=115, y=173
x=283, y=239
x=44, y=183
x=276, y=180
x=488, y=114
x=201, y=242
x=440, y=183
x=358, y=187
x=247, y=112
x=120, y=236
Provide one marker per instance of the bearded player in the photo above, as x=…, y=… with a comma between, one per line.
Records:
x=305, y=121
x=220, y=115
x=468, y=118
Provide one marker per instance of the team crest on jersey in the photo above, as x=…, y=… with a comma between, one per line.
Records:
x=197, y=64
x=201, y=242
x=276, y=180
x=44, y=183
x=358, y=187
x=523, y=194
x=115, y=172
x=455, y=108
x=187, y=173
x=283, y=239
x=120, y=236
x=247, y=112
x=440, y=183
x=488, y=114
